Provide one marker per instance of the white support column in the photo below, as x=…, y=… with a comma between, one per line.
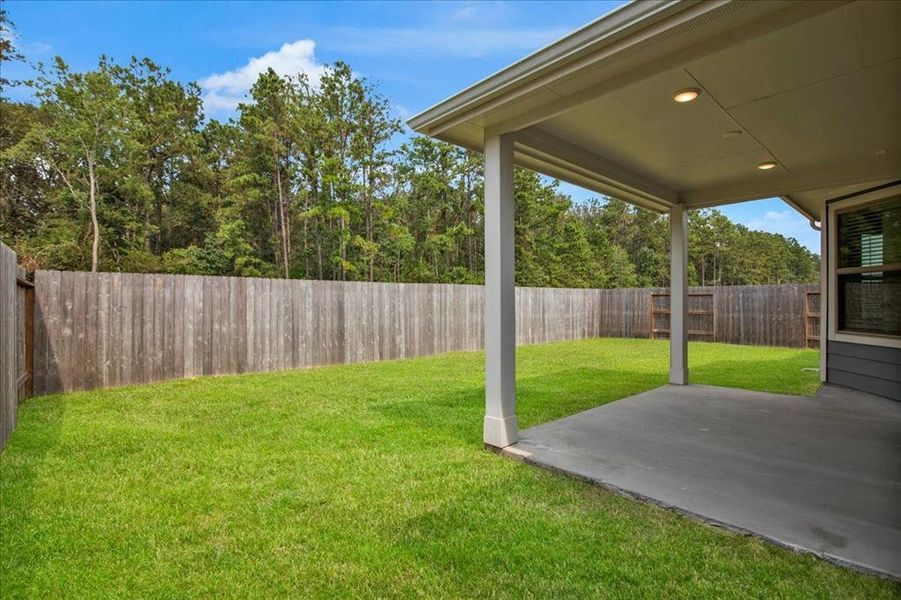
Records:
x=500, y=428
x=678, y=345
x=824, y=288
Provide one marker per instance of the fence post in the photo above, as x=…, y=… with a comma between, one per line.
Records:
x=9, y=343
x=25, y=351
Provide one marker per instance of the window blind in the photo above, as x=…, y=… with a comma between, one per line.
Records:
x=870, y=236
x=869, y=268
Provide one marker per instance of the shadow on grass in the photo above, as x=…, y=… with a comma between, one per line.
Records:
x=22, y=462
x=540, y=398
x=550, y=396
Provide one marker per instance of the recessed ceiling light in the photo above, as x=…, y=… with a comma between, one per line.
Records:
x=767, y=165
x=732, y=134
x=686, y=95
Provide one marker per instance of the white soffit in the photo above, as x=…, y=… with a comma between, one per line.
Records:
x=815, y=86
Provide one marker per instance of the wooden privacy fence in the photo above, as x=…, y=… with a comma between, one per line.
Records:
x=97, y=330
x=16, y=338
x=701, y=316
x=755, y=315
x=107, y=329
x=8, y=365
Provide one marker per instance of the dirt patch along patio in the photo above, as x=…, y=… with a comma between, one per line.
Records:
x=369, y=479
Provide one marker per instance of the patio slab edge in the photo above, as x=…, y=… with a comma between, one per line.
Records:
x=513, y=453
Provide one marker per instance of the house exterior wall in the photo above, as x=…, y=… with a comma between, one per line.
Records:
x=861, y=362
x=872, y=369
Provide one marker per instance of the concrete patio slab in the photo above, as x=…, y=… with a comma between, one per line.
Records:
x=819, y=474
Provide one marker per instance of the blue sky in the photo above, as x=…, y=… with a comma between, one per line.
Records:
x=416, y=53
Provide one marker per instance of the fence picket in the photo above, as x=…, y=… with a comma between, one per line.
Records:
x=93, y=330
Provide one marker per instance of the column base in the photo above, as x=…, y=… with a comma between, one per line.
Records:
x=678, y=376
x=500, y=432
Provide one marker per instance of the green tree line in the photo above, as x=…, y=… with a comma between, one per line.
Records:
x=117, y=169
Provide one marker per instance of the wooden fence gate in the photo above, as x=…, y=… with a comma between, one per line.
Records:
x=812, y=308
x=24, y=336
x=701, y=316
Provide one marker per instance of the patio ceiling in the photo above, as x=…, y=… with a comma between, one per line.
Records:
x=813, y=86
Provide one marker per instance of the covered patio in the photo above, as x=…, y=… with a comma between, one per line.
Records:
x=680, y=105
x=820, y=474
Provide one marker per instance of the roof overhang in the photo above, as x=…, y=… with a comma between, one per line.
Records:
x=814, y=86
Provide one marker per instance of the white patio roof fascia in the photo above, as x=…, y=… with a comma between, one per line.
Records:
x=595, y=108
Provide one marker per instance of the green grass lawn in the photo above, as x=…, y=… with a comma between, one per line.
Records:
x=370, y=480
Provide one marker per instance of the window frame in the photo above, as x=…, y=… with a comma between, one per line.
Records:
x=835, y=209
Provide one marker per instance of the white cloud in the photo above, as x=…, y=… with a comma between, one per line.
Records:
x=37, y=48
x=458, y=42
x=779, y=221
x=224, y=91
x=481, y=10
x=402, y=111
x=14, y=38
x=789, y=223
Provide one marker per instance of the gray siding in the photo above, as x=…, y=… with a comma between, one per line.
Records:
x=872, y=369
